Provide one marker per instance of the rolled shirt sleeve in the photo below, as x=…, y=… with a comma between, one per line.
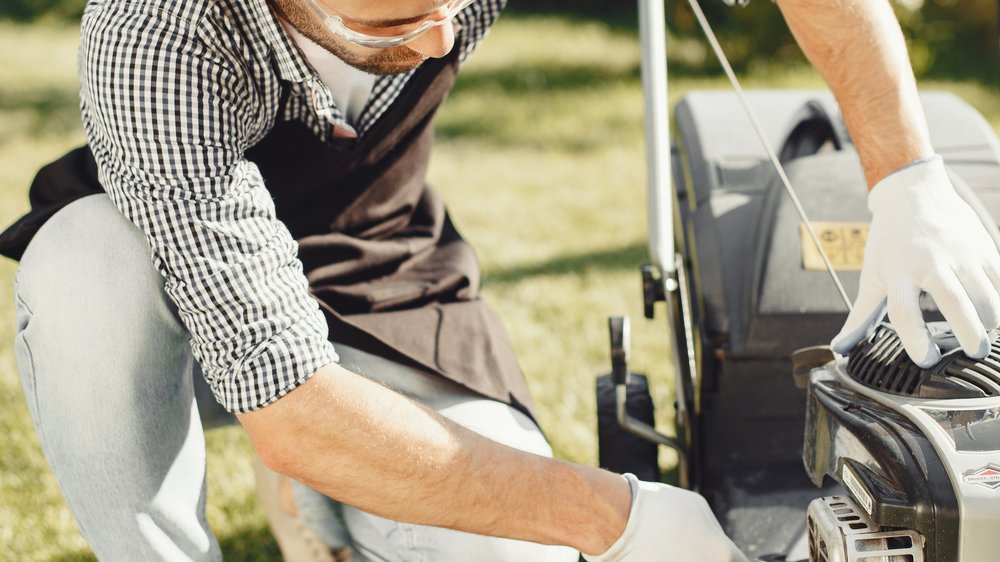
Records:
x=169, y=111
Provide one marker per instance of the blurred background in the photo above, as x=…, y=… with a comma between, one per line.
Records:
x=540, y=155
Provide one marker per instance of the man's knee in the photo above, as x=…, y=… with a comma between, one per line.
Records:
x=86, y=251
x=94, y=307
x=87, y=277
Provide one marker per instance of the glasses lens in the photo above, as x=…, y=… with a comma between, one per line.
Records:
x=439, y=17
x=383, y=37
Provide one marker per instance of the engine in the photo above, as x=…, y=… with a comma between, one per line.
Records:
x=916, y=450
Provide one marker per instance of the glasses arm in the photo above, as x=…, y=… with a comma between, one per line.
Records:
x=330, y=21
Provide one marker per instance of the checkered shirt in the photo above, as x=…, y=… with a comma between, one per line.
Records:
x=173, y=93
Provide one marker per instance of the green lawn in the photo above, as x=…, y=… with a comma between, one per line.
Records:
x=540, y=153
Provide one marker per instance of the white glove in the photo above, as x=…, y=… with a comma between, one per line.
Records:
x=923, y=236
x=672, y=525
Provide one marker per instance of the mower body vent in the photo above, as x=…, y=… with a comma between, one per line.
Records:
x=880, y=362
x=840, y=531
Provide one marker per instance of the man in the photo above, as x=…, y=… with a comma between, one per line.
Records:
x=189, y=107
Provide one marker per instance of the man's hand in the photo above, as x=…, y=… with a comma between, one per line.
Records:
x=668, y=523
x=925, y=237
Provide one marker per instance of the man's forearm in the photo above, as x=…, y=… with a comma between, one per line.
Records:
x=858, y=47
x=372, y=448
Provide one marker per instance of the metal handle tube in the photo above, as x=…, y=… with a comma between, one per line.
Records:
x=653, y=37
x=653, y=40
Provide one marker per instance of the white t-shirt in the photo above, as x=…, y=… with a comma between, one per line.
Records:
x=350, y=87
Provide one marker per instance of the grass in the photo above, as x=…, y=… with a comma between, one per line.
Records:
x=540, y=154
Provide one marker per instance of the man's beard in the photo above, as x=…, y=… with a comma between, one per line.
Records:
x=394, y=60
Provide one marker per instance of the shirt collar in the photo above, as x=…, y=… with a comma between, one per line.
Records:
x=291, y=65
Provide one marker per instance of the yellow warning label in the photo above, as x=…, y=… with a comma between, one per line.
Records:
x=843, y=242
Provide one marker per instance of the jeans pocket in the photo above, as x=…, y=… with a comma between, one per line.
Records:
x=22, y=354
x=21, y=311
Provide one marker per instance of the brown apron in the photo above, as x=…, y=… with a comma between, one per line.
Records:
x=389, y=269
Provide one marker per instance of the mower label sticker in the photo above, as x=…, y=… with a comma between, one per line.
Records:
x=988, y=476
x=843, y=242
x=859, y=492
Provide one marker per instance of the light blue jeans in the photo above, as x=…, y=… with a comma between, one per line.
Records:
x=120, y=406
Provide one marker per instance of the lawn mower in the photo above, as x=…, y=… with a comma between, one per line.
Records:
x=802, y=454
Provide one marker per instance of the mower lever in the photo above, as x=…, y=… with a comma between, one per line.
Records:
x=618, y=327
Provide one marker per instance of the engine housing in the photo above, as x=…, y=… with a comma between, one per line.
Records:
x=840, y=531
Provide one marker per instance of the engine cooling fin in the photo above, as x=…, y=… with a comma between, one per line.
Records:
x=880, y=363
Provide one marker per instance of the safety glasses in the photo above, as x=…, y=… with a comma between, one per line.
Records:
x=336, y=24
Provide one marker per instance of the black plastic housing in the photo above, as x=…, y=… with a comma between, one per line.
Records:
x=892, y=460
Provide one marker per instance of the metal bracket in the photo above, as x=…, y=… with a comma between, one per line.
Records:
x=618, y=326
x=652, y=290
